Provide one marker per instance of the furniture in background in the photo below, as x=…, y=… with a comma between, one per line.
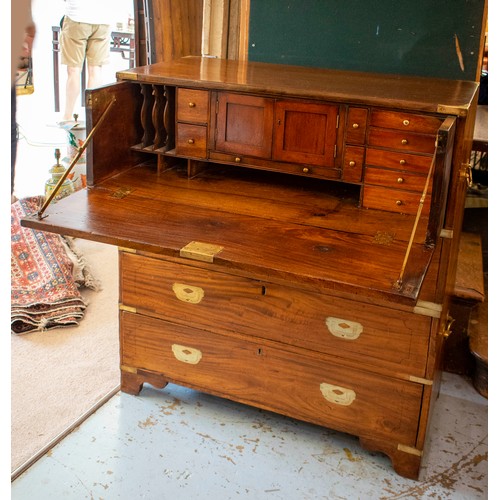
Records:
x=120, y=41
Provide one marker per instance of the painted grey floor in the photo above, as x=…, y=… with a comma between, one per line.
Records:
x=180, y=444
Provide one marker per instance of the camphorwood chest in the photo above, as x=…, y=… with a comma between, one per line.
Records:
x=288, y=236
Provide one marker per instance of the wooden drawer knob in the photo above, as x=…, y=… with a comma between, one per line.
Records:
x=192, y=104
x=337, y=395
x=188, y=355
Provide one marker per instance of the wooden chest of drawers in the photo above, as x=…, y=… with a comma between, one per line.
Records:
x=289, y=236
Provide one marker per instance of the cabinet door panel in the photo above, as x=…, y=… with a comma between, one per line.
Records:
x=305, y=133
x=244, y=125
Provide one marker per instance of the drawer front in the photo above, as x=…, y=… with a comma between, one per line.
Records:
x=353, y=163
x=292, y=384
x=402, y=141
x=356, y=125
x=192, y=105
x=394, y=200
x=191, y=140
x=396, y=180
x=389, y=341
x=422, y=124
x=398, y=160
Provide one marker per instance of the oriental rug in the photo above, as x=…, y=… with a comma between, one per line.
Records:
x=46, y=272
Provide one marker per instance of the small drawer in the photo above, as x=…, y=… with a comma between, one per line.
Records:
x=388, y=340
x=299, y=385
x=356, y=125
x=191, y=140
x=402, y=141
x=192, y=105
x=353, y=163
x=398, y=161
x=394, y=200
x=396, y=180
x=421, y=124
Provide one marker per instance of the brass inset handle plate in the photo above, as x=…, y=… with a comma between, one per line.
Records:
x=336, y=394
x=188, y=355
x=343, y=329
x=188, y=293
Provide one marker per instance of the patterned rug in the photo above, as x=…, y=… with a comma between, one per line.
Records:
x=46, y=272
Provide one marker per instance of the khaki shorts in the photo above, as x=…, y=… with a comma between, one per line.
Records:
x=80, y=40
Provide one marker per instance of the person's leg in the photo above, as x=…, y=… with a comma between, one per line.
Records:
x=72, y=91
x=98, y=49
x=95, y=76
x=74, y=38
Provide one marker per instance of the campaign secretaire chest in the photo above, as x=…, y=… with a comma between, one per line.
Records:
x=288, y=236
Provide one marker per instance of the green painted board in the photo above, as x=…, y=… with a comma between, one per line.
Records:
x=438, y=38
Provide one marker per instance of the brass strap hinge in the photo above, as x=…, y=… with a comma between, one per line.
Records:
x=129, y=369
x=129, y=309
x=446, y=233
x=409, y=449
x=428, y=309
x=419, y=380
x=128, y=250
x=204, y=252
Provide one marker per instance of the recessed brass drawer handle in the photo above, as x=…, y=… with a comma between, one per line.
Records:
x=192, y=104
x=337, y=395
x=188, y=355
x=188, y=293
x=343, y=329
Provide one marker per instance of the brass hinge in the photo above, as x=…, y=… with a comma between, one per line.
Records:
x=129, y=309
x=420, y=380
x=129, y=369
x=338, y=120
x=409, y=449
x=335, y=151
x=128, y=250
x=446, y=233
x=204, y=252
x=428, y=309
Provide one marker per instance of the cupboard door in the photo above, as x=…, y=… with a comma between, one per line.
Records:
x=305, y=133
x=244, y=125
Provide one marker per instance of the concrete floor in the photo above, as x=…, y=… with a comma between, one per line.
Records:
x=181, y=444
